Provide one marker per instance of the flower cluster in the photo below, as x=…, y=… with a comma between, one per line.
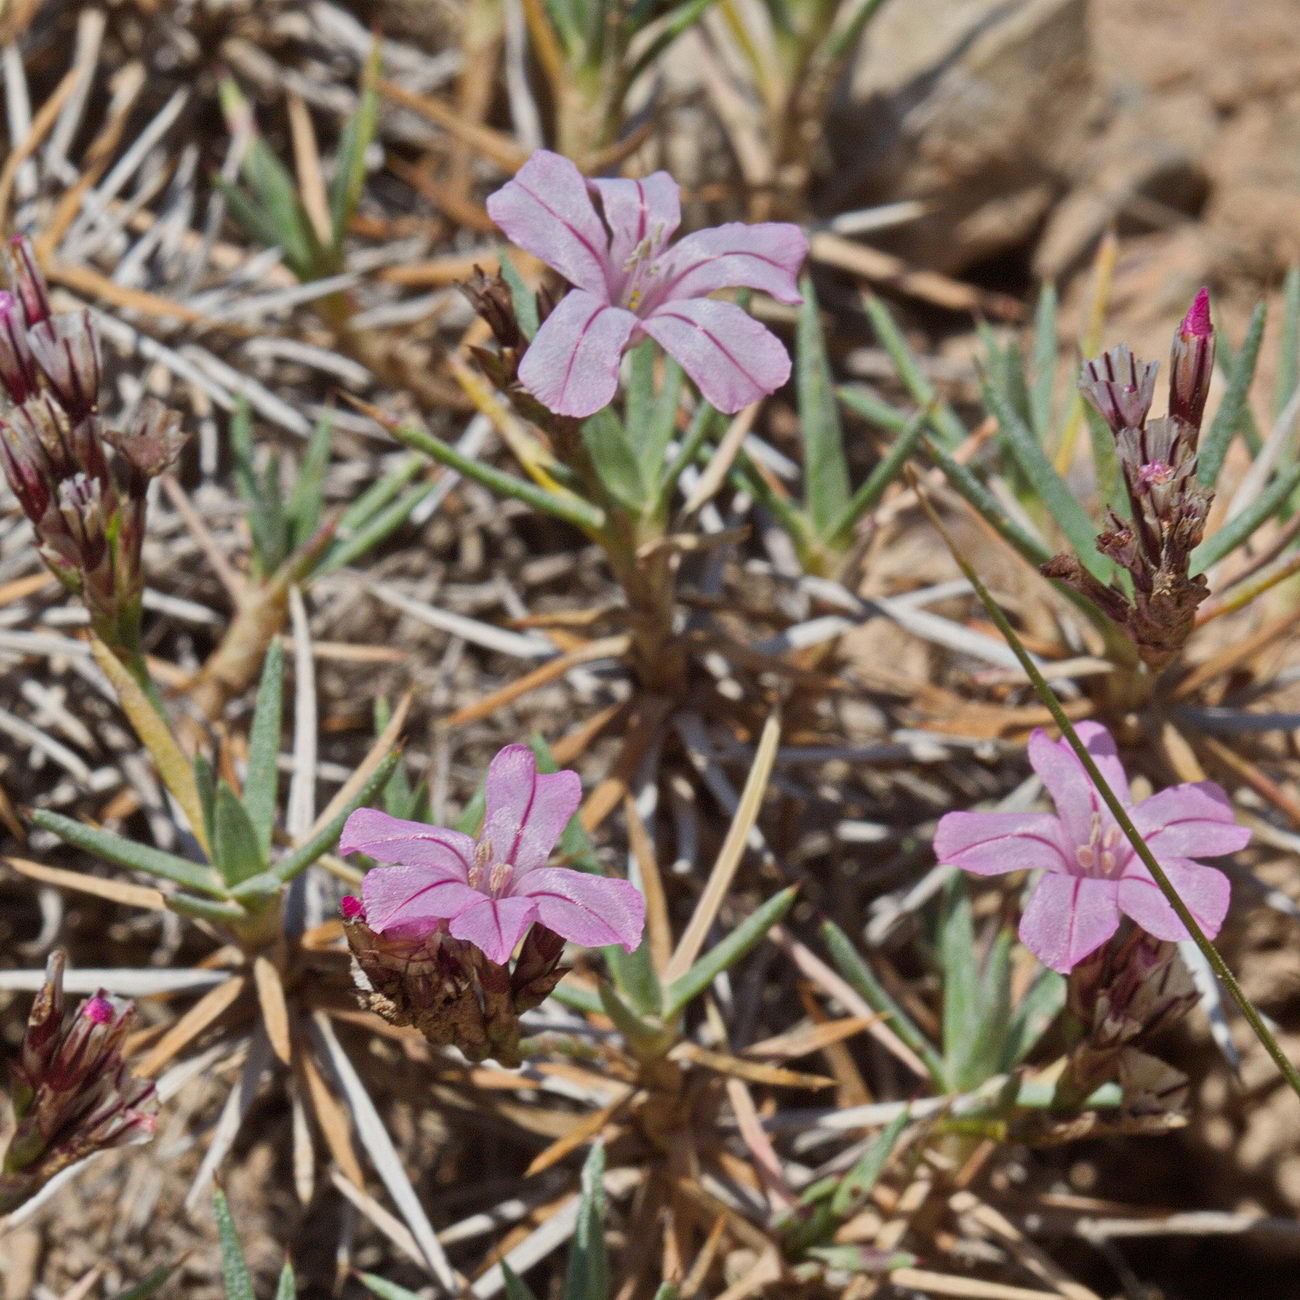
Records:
x=85, y=503
x=434, y=932
x=1091, y=873
x=628, y=284
x=1167, y=505
x=72, y=1092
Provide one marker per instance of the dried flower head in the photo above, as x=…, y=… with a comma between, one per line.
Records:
x=1168, y=506
x=1121, y=996
x=73, y=1094
x=447, y=989
x=629, y=284
x=86, y=505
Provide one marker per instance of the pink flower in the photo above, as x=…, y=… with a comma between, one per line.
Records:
x=628, y=284
x=491, y=889
x=1091, y=872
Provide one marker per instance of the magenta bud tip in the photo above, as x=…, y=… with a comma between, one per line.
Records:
x=352, y=908
x=99, y=1010
x=1196, y=324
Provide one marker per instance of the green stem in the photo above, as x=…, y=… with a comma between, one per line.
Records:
x=1122, y=819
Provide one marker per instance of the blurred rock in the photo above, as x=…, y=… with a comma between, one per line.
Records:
x=980, y=107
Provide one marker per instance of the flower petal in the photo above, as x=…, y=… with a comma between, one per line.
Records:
x=411, y=844
x=766, y=256
x=1204, y=890
x=1100, y=744
x=547, y=211
x=989, y=844
x=1068, y=784
x=591, y=910
x=1067, y=917
x=571, y=366
x=413, y=898
x=495, y=925
x=639, y=210
x=731, y=357
x=527, y=810
x=1193, y=819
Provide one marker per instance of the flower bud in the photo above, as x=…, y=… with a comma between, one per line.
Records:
x=150, y=443
x=73, y=1094
x=67, y=351
x=1192, y=364
x=28, y=282
x=1119, y=387
x=1122, y=995
x=18, y=372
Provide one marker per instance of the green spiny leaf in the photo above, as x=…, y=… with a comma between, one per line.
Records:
x=262, y=778
x=235, y=844
x=234, y=1268
x=587, y=1277
x=727, y=952
x=854, y=968
x=350, y=161
x=615, y=459
x=826, y=470
x=1228, y=418
x=136, y=857
x=1053, y=491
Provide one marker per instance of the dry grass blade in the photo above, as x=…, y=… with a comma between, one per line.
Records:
x=609, y=647
x=275, y=1010
x=585, y=1130
x=116, y=891
x=379, y=751
x=720, y=462
x=969, y=1288
x=729, y=856
x=233, y=1114
x=383, y=1154
x=205, y=1012
x=658, y=925
x=44, y=120
x=173, y=766
x=333, y=1121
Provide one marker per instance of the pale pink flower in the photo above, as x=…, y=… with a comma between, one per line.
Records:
x=628, y=284
x=489, y=890
x=1091, y=873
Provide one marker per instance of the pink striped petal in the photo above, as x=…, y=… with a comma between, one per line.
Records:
x=1100, y=744
x=527, y=810
x=547, y=210
x=637, y=211
x=731, y=357
x=1193, y=820
x=413, y=844
x=989, y=844
x=412, y=898
x=1067, y=917
x=1066, y=781
x=591, y=910
x=495, y=926
x=766, y=256
x=571, y=367
x=1204, y=890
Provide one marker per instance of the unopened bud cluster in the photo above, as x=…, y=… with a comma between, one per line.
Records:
x=448, y=989
x=1167, y=505
x=1123, y=994
x=72, y=1092
x=82, y=486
